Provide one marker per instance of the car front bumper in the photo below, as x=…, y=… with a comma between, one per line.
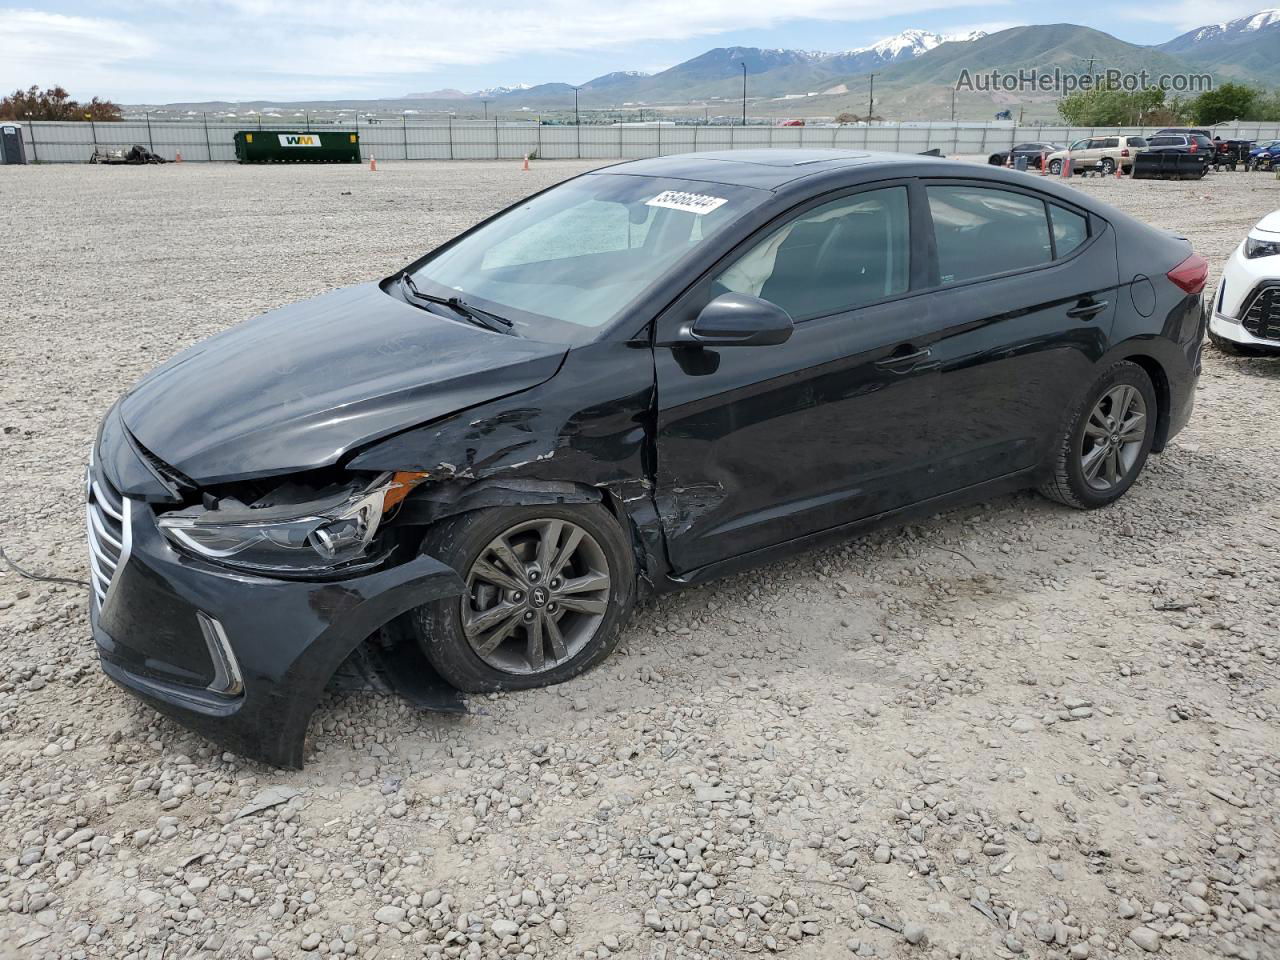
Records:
x=241, y=659
x=1246, y=304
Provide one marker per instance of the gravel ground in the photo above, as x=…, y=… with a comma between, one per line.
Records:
x=1014, y=730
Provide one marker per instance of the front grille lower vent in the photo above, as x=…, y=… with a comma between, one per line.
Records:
x=107, y=519
x=1261, y=317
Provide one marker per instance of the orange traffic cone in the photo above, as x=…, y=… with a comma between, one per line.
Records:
x=526, y=162
x=1044, y=164
x=1066, y=167
x=178, y=157
x=1119, y=171
x=373, y=162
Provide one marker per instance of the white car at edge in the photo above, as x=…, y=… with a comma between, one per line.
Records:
x=1246, y=306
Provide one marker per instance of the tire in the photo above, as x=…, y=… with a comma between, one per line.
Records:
x=1067, y=481
x=997, y=159
x=584, y=638
x=1055, y=167
x=1108, y=167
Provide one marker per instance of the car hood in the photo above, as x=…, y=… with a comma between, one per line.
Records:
x=301, y=386
x=1270, y=223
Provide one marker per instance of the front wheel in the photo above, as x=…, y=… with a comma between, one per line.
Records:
x=548, y=589
x=1055, y=167
x=1105, y=441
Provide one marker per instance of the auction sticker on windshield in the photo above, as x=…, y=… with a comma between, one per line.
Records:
x=688, y=202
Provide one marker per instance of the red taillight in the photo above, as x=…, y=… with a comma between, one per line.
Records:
x=1124, y=152
x=1191, y=274
x=1194, y=146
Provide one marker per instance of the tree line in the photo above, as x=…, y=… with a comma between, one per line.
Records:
x=1102, y=107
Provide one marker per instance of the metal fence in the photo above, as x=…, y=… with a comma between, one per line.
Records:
x=201, y=140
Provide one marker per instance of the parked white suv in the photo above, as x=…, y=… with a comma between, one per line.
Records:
x=1100, y=153
x=1246, y=306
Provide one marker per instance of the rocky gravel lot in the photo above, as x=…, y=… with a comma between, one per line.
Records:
x=1012, y=731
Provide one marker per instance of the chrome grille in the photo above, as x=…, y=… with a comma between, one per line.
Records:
x=106, y=515
x=1261, y=316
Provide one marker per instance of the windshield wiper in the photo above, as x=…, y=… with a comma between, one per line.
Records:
x=481, y=318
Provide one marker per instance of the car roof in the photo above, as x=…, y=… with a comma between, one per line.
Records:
x=766, y=169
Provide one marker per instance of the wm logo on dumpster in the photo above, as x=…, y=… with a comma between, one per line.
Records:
x=299, y=140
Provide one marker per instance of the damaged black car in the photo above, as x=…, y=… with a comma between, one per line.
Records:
x=642, y=378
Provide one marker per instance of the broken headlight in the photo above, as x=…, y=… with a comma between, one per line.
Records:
x=291, y=531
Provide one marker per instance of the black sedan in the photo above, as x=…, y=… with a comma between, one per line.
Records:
x=1034, y=152
x=643, y=378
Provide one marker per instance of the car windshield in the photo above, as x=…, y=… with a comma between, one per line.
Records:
x=566, y=262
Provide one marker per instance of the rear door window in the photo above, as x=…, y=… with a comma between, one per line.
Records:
x=982, y=231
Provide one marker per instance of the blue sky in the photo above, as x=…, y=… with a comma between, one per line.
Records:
x=172, y=50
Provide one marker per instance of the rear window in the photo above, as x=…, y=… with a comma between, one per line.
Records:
x=1069, y=229
x=981, y=231
x=1137, y=142
x=1164, y=141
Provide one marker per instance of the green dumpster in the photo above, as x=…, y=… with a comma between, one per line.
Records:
x=297, y=146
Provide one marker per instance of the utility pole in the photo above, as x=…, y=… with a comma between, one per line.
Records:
x=871, y=100
x=486, y=108
x=953, y=105
x=1091, y=61
x=577, y=117
x=35, y=154
x=744, y=93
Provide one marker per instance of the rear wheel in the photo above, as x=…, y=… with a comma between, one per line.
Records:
x=1107, y=166
x=1105, y=441
x=548, y=589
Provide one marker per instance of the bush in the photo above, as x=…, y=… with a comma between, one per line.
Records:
x=55, y=104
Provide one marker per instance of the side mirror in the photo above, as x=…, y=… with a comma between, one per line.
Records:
x=739, y=320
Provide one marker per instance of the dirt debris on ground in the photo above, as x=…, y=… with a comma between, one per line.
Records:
x=1013, y=730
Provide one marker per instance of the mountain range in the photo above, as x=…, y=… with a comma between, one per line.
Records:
x=915, y=74
x=1245, y=48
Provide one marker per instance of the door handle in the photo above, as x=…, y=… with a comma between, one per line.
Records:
x=902, y=362
x=1087, y=309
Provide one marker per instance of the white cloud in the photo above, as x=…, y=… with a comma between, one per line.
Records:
x=39, y=42
x=170, y=49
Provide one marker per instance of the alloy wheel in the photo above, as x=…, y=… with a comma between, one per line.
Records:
x=1113, y=437
x=536, y=595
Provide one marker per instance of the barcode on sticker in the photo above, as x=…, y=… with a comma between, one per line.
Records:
x=688, y=202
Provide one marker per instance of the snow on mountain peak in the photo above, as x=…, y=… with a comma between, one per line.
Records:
x=912, y=43
x=1247, y=24
x=1263, y=18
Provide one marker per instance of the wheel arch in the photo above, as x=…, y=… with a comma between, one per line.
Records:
x=1164, y=398
x=629, y=502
